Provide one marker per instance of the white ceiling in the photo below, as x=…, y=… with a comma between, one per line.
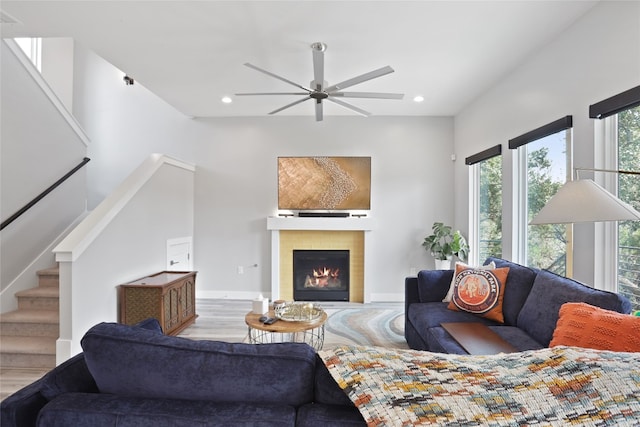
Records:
x=191, y=53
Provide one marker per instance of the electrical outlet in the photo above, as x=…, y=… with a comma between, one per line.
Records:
x=240, y=269
x=413, y=271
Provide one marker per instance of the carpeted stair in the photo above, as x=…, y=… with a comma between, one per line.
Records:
x=28, y=335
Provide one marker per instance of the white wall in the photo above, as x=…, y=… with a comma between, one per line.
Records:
x=57, y=67
x=596, y=58
x=125, y=123
x=236, y=178
x=236, y=190
x=132, y=244
x=39, y=146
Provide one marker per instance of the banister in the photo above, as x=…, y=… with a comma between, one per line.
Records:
x=43, y=194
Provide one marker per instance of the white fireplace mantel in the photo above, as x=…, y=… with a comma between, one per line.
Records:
x=277, y=224
x=321, y=223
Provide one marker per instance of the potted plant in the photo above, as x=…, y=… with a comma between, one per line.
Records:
x=444, y=243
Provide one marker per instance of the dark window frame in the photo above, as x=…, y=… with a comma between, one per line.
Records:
x=494, y=151
x=615, y=104
x=549, y=129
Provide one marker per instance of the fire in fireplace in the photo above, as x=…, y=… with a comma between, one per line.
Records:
x=320, y=275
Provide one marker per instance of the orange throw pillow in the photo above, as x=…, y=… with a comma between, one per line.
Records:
x=479, y=291
x=587, y=326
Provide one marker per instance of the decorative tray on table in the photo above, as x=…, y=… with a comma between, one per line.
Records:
x=298, y=312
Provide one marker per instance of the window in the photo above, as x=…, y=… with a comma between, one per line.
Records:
x=543, y=156
x=628, y=129
x=32, y=47
x=486, y=204
x=620, y=150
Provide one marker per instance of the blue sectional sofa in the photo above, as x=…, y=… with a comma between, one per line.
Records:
x=137, y=376
x=532, y=299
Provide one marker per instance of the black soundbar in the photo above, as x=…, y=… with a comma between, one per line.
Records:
x=323, y=214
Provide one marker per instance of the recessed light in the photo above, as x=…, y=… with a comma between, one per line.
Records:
x=418, y=98
x=227, y=99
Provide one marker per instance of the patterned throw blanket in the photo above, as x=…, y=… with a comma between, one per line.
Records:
x=550, y=387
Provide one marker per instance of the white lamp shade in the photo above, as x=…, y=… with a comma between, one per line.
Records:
x=583, y=200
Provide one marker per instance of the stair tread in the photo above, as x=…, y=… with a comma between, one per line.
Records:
x=48, y=271
x=40, y=291
x=31, y=316
x=29, y=345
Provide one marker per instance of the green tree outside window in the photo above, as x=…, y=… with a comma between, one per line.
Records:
x=629, y=191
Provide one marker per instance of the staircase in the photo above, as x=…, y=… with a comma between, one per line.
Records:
x=29, y=334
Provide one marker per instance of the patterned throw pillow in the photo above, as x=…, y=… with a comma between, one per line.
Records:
x=479, y=291
x=587, y=326
x=490, y=266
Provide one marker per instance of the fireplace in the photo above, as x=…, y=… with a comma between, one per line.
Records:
x=320, y=275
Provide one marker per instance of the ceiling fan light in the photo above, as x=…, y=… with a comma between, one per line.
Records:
x=318, y=90
x=226, y=100
x=418, y=98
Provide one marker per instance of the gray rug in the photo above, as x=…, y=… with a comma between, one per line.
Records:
x=378, y=327
x=375, y=324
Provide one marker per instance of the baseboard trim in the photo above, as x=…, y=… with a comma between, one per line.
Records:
x=230, y=294
x=375, y=297
x=386, y=297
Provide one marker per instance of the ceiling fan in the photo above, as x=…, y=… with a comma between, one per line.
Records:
x=320, y=91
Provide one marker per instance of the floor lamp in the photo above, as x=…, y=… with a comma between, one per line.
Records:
x=582, y=200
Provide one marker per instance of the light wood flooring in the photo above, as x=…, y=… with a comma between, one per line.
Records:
x=218, y=319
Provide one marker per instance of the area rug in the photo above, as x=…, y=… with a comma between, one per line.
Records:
x=380, y=327
x=373, y=324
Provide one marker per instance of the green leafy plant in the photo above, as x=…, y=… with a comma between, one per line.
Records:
x=444, y=243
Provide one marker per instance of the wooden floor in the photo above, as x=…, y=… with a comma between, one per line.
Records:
x=218, y=319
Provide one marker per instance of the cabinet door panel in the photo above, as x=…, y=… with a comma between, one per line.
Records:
x=171, y=308
x=140, y=304
x=189, y=298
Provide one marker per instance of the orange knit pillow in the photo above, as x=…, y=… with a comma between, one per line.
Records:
x=479, y=291
x=583, y=325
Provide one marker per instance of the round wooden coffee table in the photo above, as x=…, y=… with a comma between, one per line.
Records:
x=311, y=332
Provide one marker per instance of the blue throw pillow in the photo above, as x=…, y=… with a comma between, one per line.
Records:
x=433, y=285
x=150, y=324
x=540, y=312
x=517, y=288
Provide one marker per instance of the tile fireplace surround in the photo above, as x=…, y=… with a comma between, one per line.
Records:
x=289, y=233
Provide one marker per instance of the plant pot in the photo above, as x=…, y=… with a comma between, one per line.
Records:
x=443, y=264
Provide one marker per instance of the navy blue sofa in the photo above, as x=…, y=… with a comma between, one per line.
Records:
x=137, y=376
x=532, y=300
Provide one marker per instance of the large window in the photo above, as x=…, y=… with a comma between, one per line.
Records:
x=619, y=149
x=486, y=215
x=544, y=155
x=628, y=130
x=490, y=208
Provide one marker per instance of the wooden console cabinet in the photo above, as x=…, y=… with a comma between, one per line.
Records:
x=169, y=296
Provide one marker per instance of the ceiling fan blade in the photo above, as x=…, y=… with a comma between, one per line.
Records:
x=272, y=93
x=361, y=78
x=275, y=76
x=318, y=65
x=318, y=111
x=349, y=106
x=368, y=95
x=290, y=105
